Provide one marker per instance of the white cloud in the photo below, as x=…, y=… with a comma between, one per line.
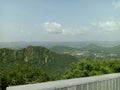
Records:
x=54, y=27
x=116, y=4
x=107, y=25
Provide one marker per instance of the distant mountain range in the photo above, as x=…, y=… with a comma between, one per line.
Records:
x=33, y=64
x=62, y=49
x=94, y=48
x=78, y=44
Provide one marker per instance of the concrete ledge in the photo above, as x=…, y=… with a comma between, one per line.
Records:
x=66, y=83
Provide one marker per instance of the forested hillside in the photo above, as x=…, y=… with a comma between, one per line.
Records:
x=36, y=56
x=31, y=64
x=91, y=50
x=36, y=64
x=85, y=68
x=62, y=49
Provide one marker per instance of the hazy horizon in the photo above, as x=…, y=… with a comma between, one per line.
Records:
x=54, y=41
x=59, y=20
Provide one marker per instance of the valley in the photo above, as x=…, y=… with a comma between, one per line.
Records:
x=35, y=64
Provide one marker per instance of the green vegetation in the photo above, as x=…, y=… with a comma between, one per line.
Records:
x=86, y=68
x=38, y=64
x=62, y=49
x=21, y=74
x=92, y=50
x=31, y=65
x=38, y=57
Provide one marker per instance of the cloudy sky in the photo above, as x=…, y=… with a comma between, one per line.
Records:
x=59, y=20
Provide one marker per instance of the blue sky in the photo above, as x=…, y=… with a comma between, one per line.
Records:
x=59, y=20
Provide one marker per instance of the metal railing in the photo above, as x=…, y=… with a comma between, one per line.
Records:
x=102, y=82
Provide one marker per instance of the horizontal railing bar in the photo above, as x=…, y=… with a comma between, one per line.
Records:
x=65, y=83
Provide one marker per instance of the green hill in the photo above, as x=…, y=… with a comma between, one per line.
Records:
x=31, y=65
x=115, y=49
x=93, y=48
x=38, y=57
x=35, y=64
x=62, y=49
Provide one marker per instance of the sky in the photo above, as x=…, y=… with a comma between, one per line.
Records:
x=59, y=20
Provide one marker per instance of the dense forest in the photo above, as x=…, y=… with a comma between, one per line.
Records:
x=88, y=67
x=36, y=56
x=30, y=65
x=36, y=64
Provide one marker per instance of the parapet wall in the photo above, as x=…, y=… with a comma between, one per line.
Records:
x=102, y=82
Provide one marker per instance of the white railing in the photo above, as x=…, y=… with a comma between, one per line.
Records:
x=102, y=82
